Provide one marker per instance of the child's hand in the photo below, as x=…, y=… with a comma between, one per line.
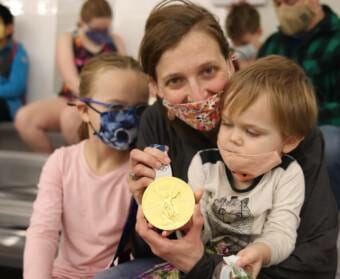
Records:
x=253, y=257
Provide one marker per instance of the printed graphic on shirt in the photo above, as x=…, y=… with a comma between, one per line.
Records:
x=231, y=223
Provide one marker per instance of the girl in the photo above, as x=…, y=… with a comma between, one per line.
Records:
x=83, y=191
x=91, y=38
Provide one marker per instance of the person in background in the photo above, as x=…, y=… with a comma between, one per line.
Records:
x=309, y=34
x=243, y=28
x=91, y=38
x=83, y=192
x=187, y=58
x=13, y=68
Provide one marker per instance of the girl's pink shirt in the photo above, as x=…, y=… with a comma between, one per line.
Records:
x=89, y=210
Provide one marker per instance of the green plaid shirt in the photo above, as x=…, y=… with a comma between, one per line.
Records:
x=318, y=52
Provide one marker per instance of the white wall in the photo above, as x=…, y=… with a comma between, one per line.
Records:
x=35, y=27
x=39, y=22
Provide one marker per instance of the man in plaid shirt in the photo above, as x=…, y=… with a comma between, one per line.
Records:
x=310, y=35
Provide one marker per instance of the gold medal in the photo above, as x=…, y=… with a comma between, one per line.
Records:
x=168, y=203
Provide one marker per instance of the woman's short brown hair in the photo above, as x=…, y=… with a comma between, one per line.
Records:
x=289, y=91
x=95, y=8
x=168, y=23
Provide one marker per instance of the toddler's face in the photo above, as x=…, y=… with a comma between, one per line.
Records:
x=252, y=131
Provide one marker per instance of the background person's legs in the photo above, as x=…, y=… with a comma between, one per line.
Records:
x=69, y=123
x=331, y=135
x=34, y=120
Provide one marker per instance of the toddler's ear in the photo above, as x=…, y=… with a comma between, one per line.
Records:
x=291, y=143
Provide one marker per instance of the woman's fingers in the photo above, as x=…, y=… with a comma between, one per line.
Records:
x=151, y=157
x=198, y=195
x=166, y=233
x=153, y=238
x=140, y=157
x=141, y=170
x=160, y=155
x=137, y=187
x=197, y=224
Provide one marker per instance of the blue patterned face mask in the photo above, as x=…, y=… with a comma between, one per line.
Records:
x=99, y=37
x=118, y=125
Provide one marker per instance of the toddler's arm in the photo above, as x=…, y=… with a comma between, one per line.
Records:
x=280, y=228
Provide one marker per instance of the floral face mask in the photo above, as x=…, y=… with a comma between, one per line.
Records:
x=202, y=115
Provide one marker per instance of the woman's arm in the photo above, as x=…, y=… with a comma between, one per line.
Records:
x=65, y=62
x=43, y=233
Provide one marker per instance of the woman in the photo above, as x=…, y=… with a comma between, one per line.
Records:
x=187, y=58
x=91, y=38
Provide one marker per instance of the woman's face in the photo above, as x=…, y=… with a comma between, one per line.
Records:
x=193, y=70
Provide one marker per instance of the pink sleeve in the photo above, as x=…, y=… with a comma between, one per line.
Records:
x=43, y=233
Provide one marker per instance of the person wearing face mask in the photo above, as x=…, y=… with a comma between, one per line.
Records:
x=187, y=58
x=243, y=27
x=309, y=33
x=13, y=68
x=83, y=193
x=92, y=37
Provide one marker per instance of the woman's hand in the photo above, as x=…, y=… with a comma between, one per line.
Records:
x=142, y=169
x=183, y=253
x=253, y=257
